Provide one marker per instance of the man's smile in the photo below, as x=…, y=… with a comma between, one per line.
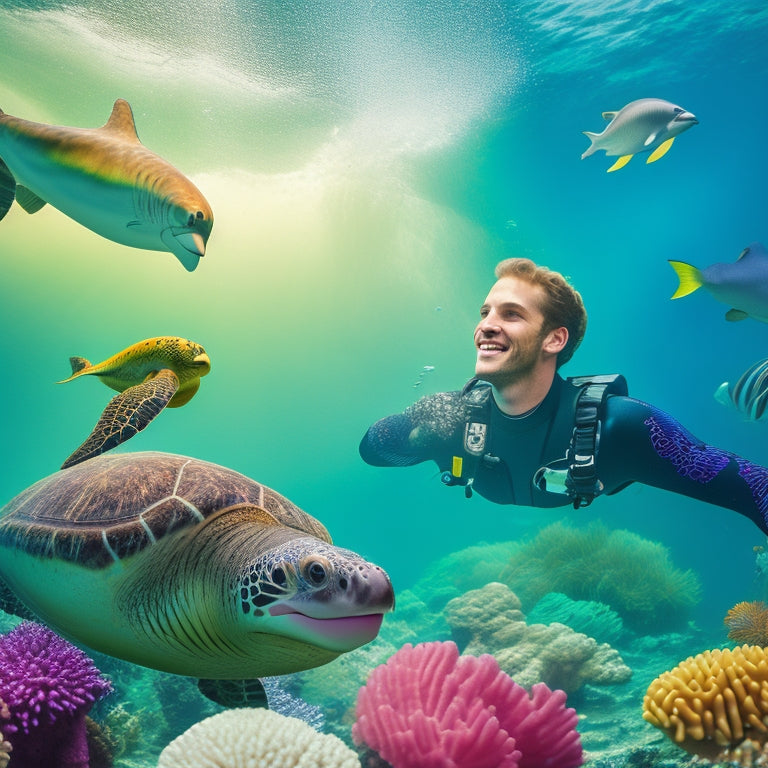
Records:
x=490, y=347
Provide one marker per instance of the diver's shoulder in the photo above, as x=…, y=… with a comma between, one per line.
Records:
x=440, y=410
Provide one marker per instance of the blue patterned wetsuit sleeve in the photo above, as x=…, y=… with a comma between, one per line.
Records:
x=643, y=444
x=415, y=435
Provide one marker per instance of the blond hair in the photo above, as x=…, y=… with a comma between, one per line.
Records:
x=562, y=306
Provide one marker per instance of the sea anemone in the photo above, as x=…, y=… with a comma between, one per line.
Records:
x=49, y=687
x=748, y=623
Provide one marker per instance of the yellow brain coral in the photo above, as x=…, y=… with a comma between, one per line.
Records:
x=748, y=623
x=713, y=699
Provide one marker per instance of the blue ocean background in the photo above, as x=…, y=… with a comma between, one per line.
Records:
x=368, y=164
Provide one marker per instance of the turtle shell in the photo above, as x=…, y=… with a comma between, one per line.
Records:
x=112, y=506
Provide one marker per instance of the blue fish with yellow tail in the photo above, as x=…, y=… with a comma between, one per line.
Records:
x=644, y=125
x=749, y=395
x=742, y=285
x=107, y=180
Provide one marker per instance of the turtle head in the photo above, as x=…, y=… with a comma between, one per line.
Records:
x=316, y=593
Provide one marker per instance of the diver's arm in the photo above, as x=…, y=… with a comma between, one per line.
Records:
x=415, y=435
x=641, y=443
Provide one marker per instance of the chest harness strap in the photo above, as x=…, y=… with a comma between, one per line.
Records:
x=580, y=481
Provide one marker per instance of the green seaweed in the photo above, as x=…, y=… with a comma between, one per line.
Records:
x=594, y=619
x=632, y=575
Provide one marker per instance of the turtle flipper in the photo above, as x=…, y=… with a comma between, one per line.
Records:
x=126, y=414
x=235, y=693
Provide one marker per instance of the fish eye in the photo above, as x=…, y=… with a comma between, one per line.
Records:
x=200, y=215
x=316, y=572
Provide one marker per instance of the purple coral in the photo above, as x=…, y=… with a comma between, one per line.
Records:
x=49, y=686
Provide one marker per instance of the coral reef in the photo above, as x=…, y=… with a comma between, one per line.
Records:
x=491, y=621
x=712, y=700
x=5, y=746
x=586, y=616
x=49, y=687
x=124, y=729
x=238, y=738
x=748, y=623
x=459, y=572
x=632, y=575
x=101, y=745
x=427, y=707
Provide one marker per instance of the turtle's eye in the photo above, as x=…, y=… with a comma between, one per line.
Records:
x=316, y=573
x=278, y=577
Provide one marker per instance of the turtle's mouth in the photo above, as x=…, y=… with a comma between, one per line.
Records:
x=338, y=634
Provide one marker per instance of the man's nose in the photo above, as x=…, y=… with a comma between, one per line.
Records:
x=488, y=325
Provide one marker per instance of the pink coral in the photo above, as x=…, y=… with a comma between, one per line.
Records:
x=427, y=707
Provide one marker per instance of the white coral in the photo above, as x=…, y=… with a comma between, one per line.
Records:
x=256, y=738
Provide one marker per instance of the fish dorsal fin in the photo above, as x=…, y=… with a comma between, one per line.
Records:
x=121, y=122
x=28, y=200
x=610, y=115
x=743, y=254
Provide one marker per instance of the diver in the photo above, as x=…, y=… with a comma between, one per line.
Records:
x=519, y=433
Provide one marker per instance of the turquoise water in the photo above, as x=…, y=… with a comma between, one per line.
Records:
x=368, y=164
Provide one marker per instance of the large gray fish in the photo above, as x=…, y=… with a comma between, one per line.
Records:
x=750, y=393
x=742, y=285
x=105, y=179
x=645, y=125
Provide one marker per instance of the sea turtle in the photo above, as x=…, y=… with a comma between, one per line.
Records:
x=185, y=566
x=150, y=375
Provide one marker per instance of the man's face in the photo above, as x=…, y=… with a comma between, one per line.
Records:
x=509, y=337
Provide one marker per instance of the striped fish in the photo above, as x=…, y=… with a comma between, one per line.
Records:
x=749, y=395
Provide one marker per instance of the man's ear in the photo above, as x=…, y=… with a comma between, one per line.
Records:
x=555, y=340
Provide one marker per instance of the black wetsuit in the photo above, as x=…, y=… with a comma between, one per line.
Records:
x=638, y=443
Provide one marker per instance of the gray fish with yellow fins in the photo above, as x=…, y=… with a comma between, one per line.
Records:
x=149, y=375
x=742, y=285
x=107, y=180
x=644, y=125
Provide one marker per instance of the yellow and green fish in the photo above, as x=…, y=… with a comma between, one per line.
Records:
x=107, y=180
x=150, y=375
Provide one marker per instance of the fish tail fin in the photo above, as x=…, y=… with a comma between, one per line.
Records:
x=592, y=147
x=689, y=276
x=79, y=365
x=723, y=395
x=7, y=189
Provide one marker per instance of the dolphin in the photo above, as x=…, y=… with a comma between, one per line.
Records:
x=644, y=125
x=107, y=180
x=742, y=285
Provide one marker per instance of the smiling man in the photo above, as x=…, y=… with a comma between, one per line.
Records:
x=518, y=433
